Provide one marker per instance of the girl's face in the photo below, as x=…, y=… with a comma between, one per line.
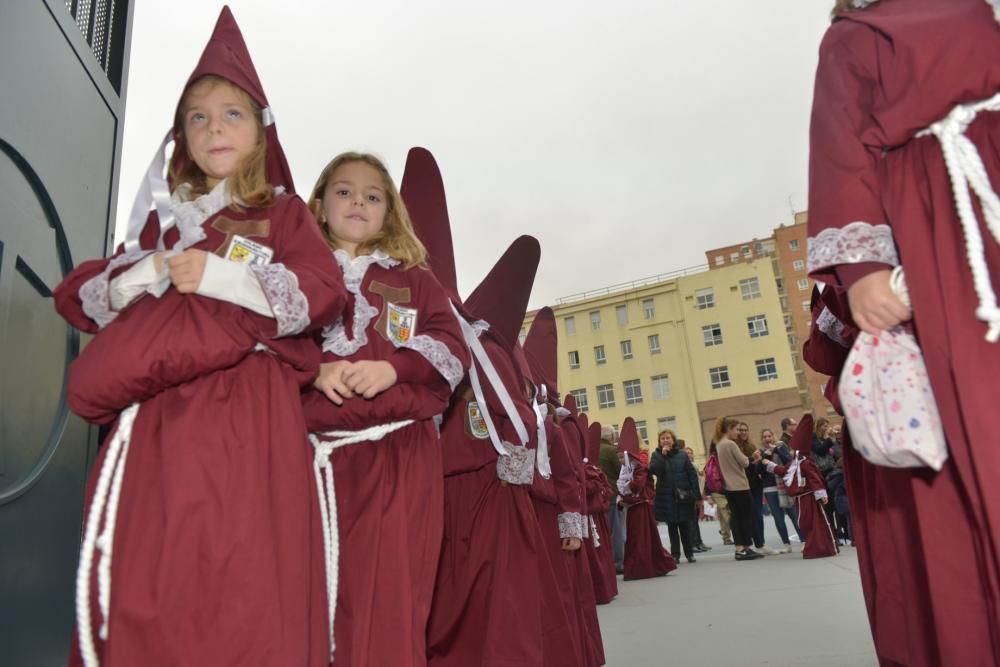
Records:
x=743, y=431
x=666, y=440
x=733, y=432
x=220, y=128
x=767, y=438
x=822, y=430
x=354, y=204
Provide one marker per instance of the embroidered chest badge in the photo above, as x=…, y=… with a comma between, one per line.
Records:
x=244, y=251
x=476, y=422
x=400, y=323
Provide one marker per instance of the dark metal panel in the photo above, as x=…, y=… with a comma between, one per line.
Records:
x=60, y=131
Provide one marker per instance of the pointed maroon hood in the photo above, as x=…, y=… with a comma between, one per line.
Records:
x=628, y=439
x=802, y=439
x=422, y=190
x=541, y=350
x=594, y=443
x=502, y=297
x=226, y=56
x=584, y=425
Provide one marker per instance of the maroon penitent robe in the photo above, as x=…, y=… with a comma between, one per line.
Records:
x=808, y=486
x=487, y=598
x=645, y=556
x=215, y=520
x=598, y=545
x=879, y=196
x=389, y=491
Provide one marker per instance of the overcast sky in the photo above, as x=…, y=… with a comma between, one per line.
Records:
x=628, y=137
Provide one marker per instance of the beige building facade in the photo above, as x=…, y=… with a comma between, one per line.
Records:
x=679, y=350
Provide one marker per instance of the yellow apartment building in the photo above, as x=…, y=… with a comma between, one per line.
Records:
x=679, y=350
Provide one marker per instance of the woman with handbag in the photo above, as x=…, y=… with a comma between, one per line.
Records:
x=676, y=493
x=771, y=494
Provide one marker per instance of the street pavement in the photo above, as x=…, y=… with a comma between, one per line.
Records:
x=778, y=611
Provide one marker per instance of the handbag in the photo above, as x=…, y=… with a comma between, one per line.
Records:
x=887, y=399
x=785, y=501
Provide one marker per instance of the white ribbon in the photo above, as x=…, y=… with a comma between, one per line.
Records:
x=794, y=470
x=625, y=476
x=326, y=491
x=479, y=354
x=153, y=191
x=593, y=532
x=966, y=170
x=542, y=456
x=108, y=491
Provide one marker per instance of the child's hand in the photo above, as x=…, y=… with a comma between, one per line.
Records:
x=874, y=306
x=187, y=269
x=571, y=543
x=331, y=381
x=370, y=378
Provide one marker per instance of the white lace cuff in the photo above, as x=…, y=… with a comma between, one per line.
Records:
x=95, y=294
x=233, y=282
x=820, y=495
x=571, y=525
x=439, y=356
x=132, y=282
x=852, y=244
x=288, y=303
x=828, y=323
x=517, y=468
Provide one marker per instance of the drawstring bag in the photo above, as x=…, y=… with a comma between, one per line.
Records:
x=887, y=399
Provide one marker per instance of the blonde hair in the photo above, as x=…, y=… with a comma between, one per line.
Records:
x=820, y=423
x=248, y=184
x=396, y=238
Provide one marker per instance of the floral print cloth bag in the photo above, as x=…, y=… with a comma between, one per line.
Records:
x=887, y=399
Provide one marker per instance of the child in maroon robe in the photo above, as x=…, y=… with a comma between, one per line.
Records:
x=804, y=481
x=210, y=515
x=390, y=364
x=645, y=556
x=600, y=495
x=904, y=120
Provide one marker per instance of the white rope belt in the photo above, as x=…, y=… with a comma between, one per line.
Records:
x=108, y=491
x=323, y=469
x=593, y=532
x=966, y=170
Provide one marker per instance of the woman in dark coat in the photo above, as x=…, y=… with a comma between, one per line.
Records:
x=676, y=492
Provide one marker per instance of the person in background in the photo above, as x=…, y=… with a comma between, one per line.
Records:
x=611, y=465
x=788, y=426
x=715, y=490
x=699, y=544
x=676, y=493
x=734, y=463
x=755, y=472
x=837, y=487
x=769, y=453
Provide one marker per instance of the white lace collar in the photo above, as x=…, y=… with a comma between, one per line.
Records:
x=335, y=337
x=190, y=211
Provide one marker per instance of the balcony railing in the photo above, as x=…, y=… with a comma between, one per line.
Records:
x=632, y=284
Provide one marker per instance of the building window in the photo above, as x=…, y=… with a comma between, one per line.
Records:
x=581, y=399
x=750, y=289
x=661, y=387
x=648, y=309
x=734, y=257
x=574, y=359
x=621, y=312
x=633, y=392
x=626, y=349
x=747, y=255
x=720, y=260
x=719, y=377
x=654, y=344
x=605, y=396
x=599, y=354
x=595, y=319
x=806, y=306
x=788, y=321
x=766, y=369
x=799, y=265
x=570, y=323
x=793, y=244
x=712, y=334
x=767, y=247
x=757, y=326
x=614, y=427
x=521, y=336
x=784, y=302
x=640, y=426
x=666, y=423
x=803, y=284
x=704, y=298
